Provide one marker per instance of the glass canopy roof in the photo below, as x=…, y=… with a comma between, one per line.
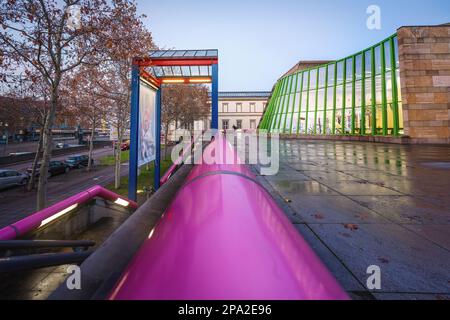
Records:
x=182, y=63
x=180, y=71
x=186, y=54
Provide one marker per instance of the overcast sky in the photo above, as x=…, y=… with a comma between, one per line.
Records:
x=259, y=40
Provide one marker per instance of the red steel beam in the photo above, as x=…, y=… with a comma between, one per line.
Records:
x=176, y=62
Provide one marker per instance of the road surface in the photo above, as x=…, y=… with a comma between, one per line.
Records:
x=97, y=154
x=17, y=203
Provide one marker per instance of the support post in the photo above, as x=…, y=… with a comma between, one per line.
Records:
x=134, y=133
x=157, y=176
x=215, y=97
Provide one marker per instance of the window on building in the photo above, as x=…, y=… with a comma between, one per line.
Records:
x=252, y=107
x=225, y=107
x=252, y=124
x=238, y=124
x=238, y=107
x=225, y=124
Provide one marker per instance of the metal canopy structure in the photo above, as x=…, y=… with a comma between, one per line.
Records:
x=179, y=66
x=168, y=67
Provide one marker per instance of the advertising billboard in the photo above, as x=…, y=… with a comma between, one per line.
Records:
x=147, y=125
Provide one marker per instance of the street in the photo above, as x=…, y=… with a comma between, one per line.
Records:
x=17, y=203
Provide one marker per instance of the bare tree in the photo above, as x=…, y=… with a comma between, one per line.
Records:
x=85, y=103
x=44, y=37
x=126, y=39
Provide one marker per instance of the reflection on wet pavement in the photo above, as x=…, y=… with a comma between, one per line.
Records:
x=362, y=204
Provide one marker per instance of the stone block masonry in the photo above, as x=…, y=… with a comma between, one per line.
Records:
x=424, y=54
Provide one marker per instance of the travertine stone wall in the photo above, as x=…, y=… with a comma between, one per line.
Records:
x=424, y=54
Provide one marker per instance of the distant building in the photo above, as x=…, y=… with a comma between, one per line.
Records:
x=242, y=109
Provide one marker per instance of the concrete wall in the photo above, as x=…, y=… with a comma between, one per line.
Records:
x=424, y=54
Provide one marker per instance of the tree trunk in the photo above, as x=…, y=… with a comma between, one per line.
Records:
x=32, y=180
x=166, y=142
x=46, y=156
x=118, y=160
x=91, y=148
x=47, y=145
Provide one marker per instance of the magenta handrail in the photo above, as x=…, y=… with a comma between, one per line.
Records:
x=175, y=165
x=225, y=238
x=35, y=220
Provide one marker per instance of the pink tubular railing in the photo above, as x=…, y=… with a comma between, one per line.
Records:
x=35, y=220
x=169, y=173
x=225, y=238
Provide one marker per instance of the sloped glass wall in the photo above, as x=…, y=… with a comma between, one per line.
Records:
x=358, y=95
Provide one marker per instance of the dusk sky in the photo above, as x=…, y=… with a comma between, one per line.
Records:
x=259, y=40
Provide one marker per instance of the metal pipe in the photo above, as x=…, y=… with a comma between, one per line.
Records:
x=28, y=244
x=224, y=237
x=31, y=262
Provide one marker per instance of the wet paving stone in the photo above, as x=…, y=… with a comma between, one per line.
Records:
x=372, y=204
x=359, y=188
x=408, y=262
x=405, y=209
x=289, y=187
x=333, y=209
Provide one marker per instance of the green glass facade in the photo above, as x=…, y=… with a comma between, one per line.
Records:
x=358, y=95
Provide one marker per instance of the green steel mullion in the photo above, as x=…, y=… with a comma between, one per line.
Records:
x=394, y=88
x=272, y=106
x=277, y=111
x=317, y=100
x=285, y=98
x=363, y=93
x=293, y=102
x=353, y=95
x=300, y=104
x=273, y=113
x=333, y=128
x=281, y=108
x=374, y=95
x=383, y=89
x=344, y=95
x=288, y=102
x=276, y=105
x=307, y=103
x=325, y=93
x=268, y=115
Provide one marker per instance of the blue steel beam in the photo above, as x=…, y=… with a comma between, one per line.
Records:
x=134, y=133
x=157, y=176
x=215, y=97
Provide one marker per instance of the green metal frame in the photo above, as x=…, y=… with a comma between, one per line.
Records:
x=284, y=98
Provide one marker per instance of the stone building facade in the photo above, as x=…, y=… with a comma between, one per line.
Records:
x=424, y=54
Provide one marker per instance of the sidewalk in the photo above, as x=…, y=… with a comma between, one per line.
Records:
x=362, y=204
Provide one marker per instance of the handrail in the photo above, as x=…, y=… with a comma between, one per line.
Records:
x=170, y=172
x=59, y=209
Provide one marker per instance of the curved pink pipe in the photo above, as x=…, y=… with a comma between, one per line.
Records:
x=33, y=221
x=224, y=237
x=180, y=159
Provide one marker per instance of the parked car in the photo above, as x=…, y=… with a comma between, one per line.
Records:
x=54, y=168
x=125, y=146
x=62, y=145
x=76, y=162
x=9, y=178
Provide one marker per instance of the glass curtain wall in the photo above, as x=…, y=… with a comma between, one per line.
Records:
x=358, y=95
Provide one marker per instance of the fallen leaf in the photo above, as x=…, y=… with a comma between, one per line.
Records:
x=319, y=216
x=351, y=226
x=383, y=260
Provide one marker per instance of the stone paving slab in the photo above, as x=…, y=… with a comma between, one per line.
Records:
x=408, y=262
x=405, y=209
x=361, y=204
